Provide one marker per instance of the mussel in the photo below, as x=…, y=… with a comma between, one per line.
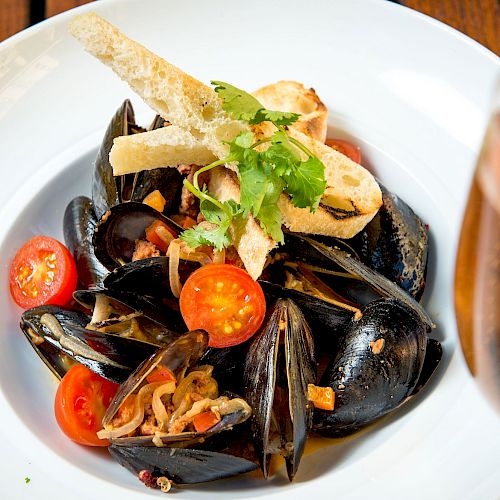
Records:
x=279, y=367
x=163, y=408
x=79, y=224
x=108, y=190
x=377, y=367
x=160, y=467
x=57, y=334
x=395, y=244
x=121, y=227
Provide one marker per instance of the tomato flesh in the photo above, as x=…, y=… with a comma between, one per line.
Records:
x=160, y=235
x=81, y=401
x=42, y=272
x=225, y=301
x=161, y=374
x=346, y=148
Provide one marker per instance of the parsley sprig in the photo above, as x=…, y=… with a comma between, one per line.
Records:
x=263, y=174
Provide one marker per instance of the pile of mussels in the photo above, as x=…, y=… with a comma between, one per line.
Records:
x=375, y=352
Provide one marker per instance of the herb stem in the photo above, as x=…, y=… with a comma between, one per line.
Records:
x=204, y=196
x=204, y=169
x=301, y=146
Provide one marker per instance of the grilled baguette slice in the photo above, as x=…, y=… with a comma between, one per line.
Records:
x=164, y=147
x=173, y=94
x=295, y=98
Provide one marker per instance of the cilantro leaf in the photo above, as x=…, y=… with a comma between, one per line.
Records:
x=279, y=118
x=237, y=104
x=306, y=183
x=241, y=105
x=217, y=235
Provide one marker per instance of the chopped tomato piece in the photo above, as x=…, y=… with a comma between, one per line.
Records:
x=42, y=272
x=346, y=148
x=160, y=235
x=81, y=401
x=204, y=421
x=160, y=374
x=225, y=301
x=322, y=397
x=155, y=200
x=184, y=221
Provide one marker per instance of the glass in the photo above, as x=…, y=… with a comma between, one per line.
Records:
x=477, y=273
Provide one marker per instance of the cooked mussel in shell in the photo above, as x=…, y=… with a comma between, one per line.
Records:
x=79, y=224
x=168, y=401
x=121, y=227
x=60, y=338
x=279, y=367
x=395, y=244
x=109, y=190
x=377, y=367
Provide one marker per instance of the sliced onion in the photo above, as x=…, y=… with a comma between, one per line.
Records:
x=161, y=414
x=109, y=433
x=173, y=268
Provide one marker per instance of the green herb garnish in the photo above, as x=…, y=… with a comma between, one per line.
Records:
x=27, y=480
x=263, y=175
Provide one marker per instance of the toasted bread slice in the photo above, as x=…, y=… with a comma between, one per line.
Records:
x=173, y=94
x=164, y=147
x=295, y=98
x=251, y=243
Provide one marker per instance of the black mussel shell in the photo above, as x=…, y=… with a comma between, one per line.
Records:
x=106, y=189
x=148, y=276
x=54, y=332
x=279, y=366
x=117, y=231
x=377, y=368
x=395, y=244
x=79, y=224
x=386, y=288
x=180, y=465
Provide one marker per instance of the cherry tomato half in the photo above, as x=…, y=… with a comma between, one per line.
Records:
x=81, y=401
x=225, y=301
x=42, y=272
x=346, y=148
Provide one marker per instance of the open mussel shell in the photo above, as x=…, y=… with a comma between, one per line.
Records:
x=180, y=465
x=279, y=366
x=79, y=224
x=376, y=369
x=300, y=245
x=106, y=189
x=116, y=233
x=56, y=334
x=178, y=356
x=395, y=243
x=156, y=323
x=148, y=276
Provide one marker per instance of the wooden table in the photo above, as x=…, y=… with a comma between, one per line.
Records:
x=479, y=19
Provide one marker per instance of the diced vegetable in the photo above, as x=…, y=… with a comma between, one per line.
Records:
x=322, y=397
x=155, y=200
x=204, y=421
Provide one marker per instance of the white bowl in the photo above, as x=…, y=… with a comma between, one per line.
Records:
x=411, y=91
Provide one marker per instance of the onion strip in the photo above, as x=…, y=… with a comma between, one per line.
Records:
x=161, y=414
x=173, y=268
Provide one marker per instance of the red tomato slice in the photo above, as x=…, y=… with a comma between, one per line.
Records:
x=204, y=421
x=160, y=235
x=225, y=301
x=346, y=148
x=81, y=401
x=42, y=272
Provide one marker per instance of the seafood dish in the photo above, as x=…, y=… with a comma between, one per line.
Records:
x=234, y=283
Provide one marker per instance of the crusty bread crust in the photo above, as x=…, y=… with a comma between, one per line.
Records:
x=295, y=98
x=173, y=94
